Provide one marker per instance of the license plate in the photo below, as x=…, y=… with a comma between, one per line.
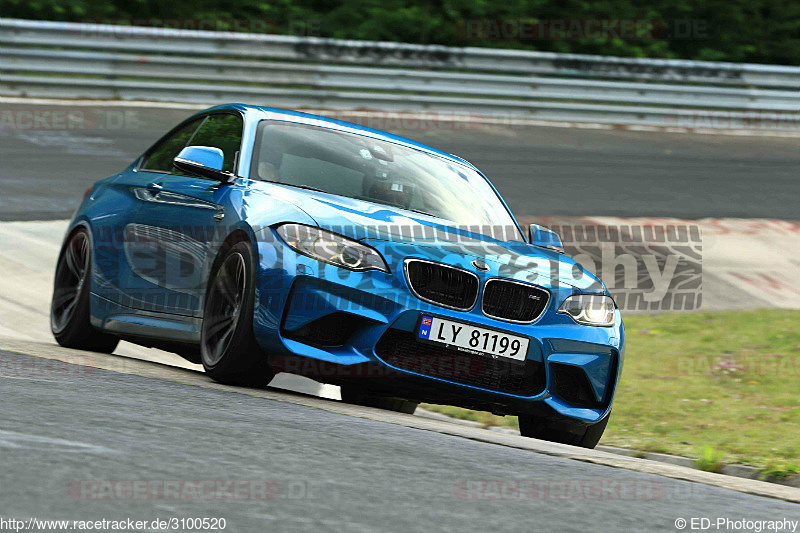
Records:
x=471, y=339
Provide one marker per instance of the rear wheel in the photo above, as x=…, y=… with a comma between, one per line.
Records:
x=354, y=395
x=586, y=436
x=228, y=348
x=69, y=309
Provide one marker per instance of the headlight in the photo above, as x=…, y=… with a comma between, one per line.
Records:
x=331, y=248
x=589, y=309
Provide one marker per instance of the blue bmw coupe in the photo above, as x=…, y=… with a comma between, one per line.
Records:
x=257, y=240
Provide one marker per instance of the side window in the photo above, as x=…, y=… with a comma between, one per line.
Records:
x=160, y=156
x=222, y=131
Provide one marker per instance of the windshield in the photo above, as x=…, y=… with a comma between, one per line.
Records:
x=358, y=166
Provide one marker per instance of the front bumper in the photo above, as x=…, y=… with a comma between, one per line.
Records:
x=343, y=327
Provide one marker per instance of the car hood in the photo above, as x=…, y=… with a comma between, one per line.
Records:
x=398, y=232
x=519, y=262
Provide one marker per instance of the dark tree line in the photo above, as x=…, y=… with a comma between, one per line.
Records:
x=759, y=31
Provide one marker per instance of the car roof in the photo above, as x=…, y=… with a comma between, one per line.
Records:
x=273, y=113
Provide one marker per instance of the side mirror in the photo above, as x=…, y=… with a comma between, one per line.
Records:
x=545, y=237
x=205, y=161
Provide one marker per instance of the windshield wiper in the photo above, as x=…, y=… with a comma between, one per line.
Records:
x=421, y=212
x=306, y=187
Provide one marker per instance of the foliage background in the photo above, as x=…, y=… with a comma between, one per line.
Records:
x=759, y=31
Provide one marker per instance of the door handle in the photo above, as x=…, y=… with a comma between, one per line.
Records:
x=155, y=192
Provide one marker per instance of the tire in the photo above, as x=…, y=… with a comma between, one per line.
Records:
x=356, y=396
x=191, y=355
x=228, y=348
x=586, y=436
x=70, y=306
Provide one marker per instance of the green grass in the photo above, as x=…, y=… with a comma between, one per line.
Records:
x=711, y=460
x=719, y=387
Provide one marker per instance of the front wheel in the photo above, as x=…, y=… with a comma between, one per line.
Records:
x=586, y=436
x=228, y=348
x=69, y=309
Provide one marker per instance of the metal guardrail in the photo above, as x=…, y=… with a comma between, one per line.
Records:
x=50, y=59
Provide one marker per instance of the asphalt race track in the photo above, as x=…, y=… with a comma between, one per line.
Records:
x=78, y=430
x=73, y=444
x=542, y=171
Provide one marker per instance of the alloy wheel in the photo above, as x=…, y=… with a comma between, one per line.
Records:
x=224, y=307
x=71, y=275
